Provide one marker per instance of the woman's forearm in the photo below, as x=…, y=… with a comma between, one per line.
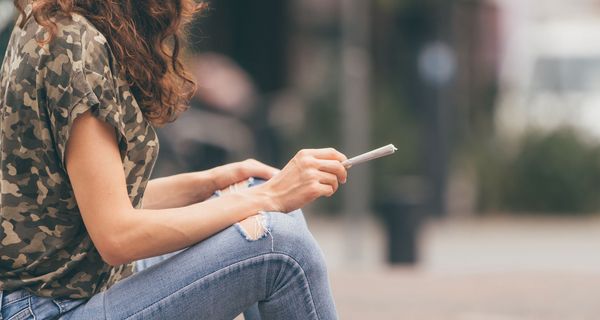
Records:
x=179, y=190
x=144, y=233
x=188, y=188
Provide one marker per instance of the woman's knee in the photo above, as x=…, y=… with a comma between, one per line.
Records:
x=291, y=236
x=287, y=234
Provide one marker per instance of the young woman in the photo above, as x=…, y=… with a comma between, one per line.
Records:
x=82, y=85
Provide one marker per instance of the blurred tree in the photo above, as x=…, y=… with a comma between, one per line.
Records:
x=552, y=173
x=477, y=41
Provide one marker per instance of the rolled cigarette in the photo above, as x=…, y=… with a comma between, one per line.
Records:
x=377, y=153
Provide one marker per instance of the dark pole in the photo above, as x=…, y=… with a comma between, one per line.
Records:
x=437, y=68
x=355, y=100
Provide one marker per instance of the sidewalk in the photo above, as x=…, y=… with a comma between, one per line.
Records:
x=495, y=268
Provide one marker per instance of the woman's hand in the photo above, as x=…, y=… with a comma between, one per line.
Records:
x=232, y=173
x=311, y=174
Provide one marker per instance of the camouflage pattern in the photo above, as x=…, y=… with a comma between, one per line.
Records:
x=44, y=246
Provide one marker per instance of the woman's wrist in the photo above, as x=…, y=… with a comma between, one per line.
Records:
x=265, y=196
x=223, y=176
x=197, y=186
x=208, y=181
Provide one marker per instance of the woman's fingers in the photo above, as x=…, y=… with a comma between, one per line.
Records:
x=330, y=180
x=326, y=190
x=335, y=167
x=254, y=168
x=328, y=154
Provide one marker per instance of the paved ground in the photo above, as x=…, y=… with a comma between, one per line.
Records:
x=494, y=268
x=406, y=294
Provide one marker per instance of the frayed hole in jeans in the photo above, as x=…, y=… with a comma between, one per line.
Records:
x=254, y=228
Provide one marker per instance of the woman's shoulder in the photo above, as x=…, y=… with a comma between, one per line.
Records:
x=75, y=41
x=80, y=28
x=78, y=34
x=76, y=49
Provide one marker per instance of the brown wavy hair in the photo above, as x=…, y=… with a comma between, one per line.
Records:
x=146, y=41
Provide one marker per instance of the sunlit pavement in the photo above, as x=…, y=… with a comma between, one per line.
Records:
x=493, y=268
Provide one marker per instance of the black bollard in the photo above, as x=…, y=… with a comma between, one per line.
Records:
x=401, y=214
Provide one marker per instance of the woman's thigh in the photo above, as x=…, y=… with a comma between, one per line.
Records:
x=222, y=276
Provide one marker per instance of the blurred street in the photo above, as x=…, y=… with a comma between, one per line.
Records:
x=494, y=106
x=503, y=268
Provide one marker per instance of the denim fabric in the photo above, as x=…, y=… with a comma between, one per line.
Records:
x=282, y=275
x=22, y=305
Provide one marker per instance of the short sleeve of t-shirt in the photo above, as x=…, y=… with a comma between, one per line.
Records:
x=79, y=79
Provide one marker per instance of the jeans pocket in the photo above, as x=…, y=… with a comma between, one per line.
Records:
x=44, y=308
x=65, y=304
x=16, y=306
x=22, y=305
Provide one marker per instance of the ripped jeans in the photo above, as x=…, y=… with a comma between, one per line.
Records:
x=277, y=273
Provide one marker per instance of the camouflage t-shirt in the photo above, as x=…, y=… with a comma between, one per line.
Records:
x=44, y=245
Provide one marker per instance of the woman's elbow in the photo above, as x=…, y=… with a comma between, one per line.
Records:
x=114, y=260
x=112, y=251
x=113, y=238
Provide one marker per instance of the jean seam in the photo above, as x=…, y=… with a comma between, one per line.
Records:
x=30, y=308
x=228, y=267
x=104, y=306
x=15, y=301
x=19, y=314
x=59, y=305
x=312, y=300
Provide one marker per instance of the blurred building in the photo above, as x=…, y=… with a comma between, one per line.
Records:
x=550, y=67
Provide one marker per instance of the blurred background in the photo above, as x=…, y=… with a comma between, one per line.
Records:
x=490, y=208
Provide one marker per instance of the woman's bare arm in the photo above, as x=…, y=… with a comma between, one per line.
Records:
x=189, y=188
x=178, y=190
x=123, y=234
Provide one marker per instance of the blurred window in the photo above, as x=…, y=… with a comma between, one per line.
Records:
x=564, y=75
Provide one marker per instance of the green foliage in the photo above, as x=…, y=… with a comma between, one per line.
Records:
x=558, y=173
x=394, y=122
